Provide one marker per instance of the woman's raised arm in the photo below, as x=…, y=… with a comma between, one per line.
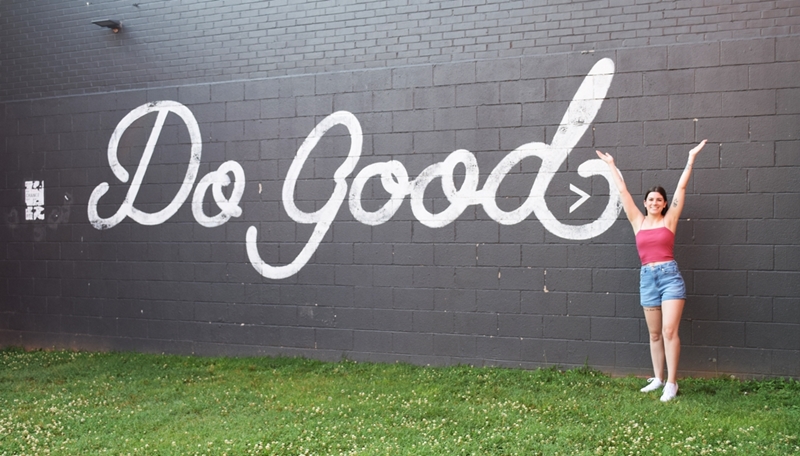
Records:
x=632, y=211
x=676, y=205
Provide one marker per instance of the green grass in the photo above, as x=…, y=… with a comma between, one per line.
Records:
x=76, y=403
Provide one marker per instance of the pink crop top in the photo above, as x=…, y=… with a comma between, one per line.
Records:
x=655, y=245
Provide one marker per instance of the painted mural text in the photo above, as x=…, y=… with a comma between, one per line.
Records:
x=392, y=174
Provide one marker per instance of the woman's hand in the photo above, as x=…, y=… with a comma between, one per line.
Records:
x=607, y=158
x=697, y=148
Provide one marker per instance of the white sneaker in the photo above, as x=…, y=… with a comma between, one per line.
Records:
x=654, y=384
x=670, y=391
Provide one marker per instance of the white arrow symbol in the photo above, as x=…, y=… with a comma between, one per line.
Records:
x=584, y=196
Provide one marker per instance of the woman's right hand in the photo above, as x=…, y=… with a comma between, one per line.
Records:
x=605, y=157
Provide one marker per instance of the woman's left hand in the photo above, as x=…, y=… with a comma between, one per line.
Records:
x=697, y=148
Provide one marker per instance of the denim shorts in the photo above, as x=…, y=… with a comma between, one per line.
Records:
x=659, y=283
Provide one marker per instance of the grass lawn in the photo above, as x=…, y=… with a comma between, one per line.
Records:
x=77, y=403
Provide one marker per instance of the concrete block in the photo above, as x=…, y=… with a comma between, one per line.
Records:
x=433, y=322
x=498, y=348
x=637, y=60
x=412, y=76
x=392, y=276
x=713, y=333
x=747, y=52
x=787, y=258
x=478, y=94
x=773, y=283
x=523, y=91
x=474, y=323
x=590, y=353
x=786, y=153
x=501, y=301
x=668, y=132
x=454, y=345
x=786, y=310
x=477, y=277
x=695, y=55
x=668, y=82
x=456, y=299
x=591, y=304
x=609, y=280
x=334, y=339
x=498, y=255
x=522, y=326
x=433, y=276
x=379, y=341
x=783, y=364
x=393, y=320
x=372, y=254
x=294, y=337
x=786, y=49
x=498, y=70
x=768, y=180
x=567, y=279
x=721, y=79
x=435, y=97
x=413, y=298
x=591, y=256
x=566, y=327
x=745, y=309
x=233, y=91
x=744, y=360
x=721, y=283
x=412, y=121
x=723, y=180
x=787, y=206
x=543, y=255
x=750, y=103
x=644, y=108
x=746, y=206
x=499, y=116
x=522, y=278
x=412, y=343
x=705, y=308
x=456, y=73
x=777, y=128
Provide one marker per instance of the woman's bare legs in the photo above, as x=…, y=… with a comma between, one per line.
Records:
x=671, y=318
x=652, y=316
x=665, y=344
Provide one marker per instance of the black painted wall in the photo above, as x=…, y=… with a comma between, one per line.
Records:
x=422, y=80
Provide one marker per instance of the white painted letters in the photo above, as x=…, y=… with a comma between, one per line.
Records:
x=393, y=177
x=322, y=217
x=217, y=179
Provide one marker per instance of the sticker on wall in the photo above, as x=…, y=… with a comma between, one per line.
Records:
x=34, y=200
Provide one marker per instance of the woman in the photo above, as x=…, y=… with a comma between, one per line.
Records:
x=661, y=286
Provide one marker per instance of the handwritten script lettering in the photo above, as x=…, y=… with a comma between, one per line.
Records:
x=393, y=177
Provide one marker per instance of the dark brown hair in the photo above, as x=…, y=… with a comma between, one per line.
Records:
x=659, y=189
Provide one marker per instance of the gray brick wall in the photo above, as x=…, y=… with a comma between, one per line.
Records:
x=423, y=79
x=54, y=49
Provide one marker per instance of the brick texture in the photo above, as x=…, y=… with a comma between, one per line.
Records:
x=423, y=79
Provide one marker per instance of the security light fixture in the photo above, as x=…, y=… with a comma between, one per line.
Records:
x=108, y=23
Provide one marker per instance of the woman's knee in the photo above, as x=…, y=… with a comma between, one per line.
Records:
x=669, y=332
